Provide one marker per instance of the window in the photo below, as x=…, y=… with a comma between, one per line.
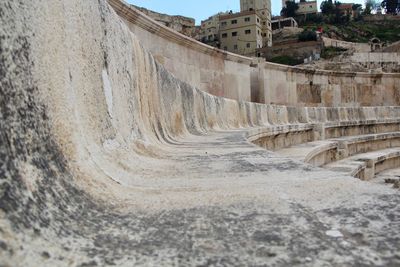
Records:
x=234, y=33
x=247, y=31
x=248, y=45
x=258, y=20
x=235, y=47
x=263, y=22
x=247, y=19
x=209, y=30
x=210, y=37
x=234, y=21
x=225, y=48
x=223, y=23
x=258, y=32
x=224, y=35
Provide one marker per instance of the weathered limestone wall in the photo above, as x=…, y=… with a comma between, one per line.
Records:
x=108, y=159
x=357, y=47
x=211, y=70
x=376, y=57
x=385, y=61
x=295, y=86
x=393, y=48
x=233, y=76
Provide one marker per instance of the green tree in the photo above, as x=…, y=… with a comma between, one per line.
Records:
x=391, y=6
x=307, y=35
x=357, y=9
x=290, y=9
x=370, y=5
x=327, y=7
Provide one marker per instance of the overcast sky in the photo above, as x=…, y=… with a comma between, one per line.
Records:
x=202, y=9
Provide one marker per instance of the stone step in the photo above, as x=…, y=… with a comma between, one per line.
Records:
x=366, y=165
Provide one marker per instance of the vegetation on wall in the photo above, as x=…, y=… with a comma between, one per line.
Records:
x=338, y=24
x=286, y=60
x=359, y=31
x=331, y=52
x=307, y=35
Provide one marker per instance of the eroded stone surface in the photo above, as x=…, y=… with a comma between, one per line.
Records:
x=183, y=186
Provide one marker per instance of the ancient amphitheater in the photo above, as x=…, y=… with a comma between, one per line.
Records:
x=125, y=143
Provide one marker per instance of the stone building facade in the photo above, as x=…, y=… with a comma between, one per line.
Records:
x=305, y=7
x=209, y=30
x=250, y=29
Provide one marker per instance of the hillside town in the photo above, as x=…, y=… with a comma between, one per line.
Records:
x=317, y=33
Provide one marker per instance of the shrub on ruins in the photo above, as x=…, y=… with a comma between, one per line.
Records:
x=331, y=52
x=313, y=18
x=307, y=35
x=286, y=60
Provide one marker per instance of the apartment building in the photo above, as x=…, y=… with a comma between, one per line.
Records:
x=245, y=32
x=209, y=30
x=241, y=33
x=258, y=5
x=307, y=7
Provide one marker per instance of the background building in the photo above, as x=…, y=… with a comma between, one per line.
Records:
x=250, y=29
x=209, y=30
x=241, y=33
x=305, y=7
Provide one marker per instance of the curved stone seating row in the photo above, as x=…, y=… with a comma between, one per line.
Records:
x=317, y=153
x=277, y=137
x=366, y=165
x=367, y=143
x=345, y=154
x=281, y=136
x=349, y=128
